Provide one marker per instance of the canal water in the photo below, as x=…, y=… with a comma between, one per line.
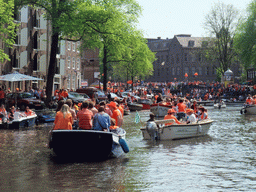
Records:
x=224, y=160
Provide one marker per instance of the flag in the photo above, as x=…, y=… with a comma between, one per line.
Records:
x=137, y=117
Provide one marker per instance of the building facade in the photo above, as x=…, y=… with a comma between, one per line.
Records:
x=182, y=55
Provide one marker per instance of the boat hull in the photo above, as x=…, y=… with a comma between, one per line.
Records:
x=249, y=110
x=85, y=144
x=28, y=121
x=135, y=106
x=145, y=103
x=180, y=131
x=160, y=110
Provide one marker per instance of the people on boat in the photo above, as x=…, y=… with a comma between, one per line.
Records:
x=29, y=112
x=63, y=119
x=170, y=115
x=71, y=110
x=60, y=104
x=85, y=117
x=92, y=108
x=106, y=108
x=116, y=113
x=101, y=120
x=17, y=114
x=11, y=113
x=191, y=116
x=203, y=113
x=3, y=113
x=181, y=109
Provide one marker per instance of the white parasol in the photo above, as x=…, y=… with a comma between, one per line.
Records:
x=16, y=76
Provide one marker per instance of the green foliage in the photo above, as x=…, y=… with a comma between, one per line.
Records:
x=7, y=26
x=245, y=41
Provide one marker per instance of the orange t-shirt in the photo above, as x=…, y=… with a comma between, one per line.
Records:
x=28, y=113
x=115, y=114
x=63, y=123
x=181, y=107
x=171, y=117
x=121, y=110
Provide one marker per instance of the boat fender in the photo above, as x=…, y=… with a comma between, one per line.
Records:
x=124, y=145
x=245, y=111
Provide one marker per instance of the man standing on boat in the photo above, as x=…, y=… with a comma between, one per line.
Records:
x=117, y=115
x=170, y=115
x=181, y=109
x=85, y=117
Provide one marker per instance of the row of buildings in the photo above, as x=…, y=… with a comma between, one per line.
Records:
x=76, y=67
x=31, y=54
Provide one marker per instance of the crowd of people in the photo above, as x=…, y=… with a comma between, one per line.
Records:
x=87, y=116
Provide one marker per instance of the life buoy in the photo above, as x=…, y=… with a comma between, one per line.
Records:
x=124, y=145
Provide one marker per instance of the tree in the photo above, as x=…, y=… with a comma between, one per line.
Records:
x=245, y=41
x=115, y=23
x=137, y=59
x=7, y=26
x=221, y=23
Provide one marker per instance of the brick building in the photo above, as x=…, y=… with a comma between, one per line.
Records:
x=180, y=55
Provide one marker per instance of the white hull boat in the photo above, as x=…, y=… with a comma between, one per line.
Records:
x=175, y=131
x=249, y=110
x=219, y=106
x=160, y=110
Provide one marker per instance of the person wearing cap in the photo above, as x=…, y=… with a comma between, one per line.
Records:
x=106, y=108
x=191, y=116
x=116, y=113
x=170, y=115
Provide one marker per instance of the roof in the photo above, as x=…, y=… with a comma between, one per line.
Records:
x=191, y=42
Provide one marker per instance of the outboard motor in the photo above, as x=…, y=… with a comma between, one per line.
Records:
x=152, y=129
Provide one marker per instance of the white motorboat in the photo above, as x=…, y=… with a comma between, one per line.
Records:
x=160, y=110
x=174, y=131
x=249, y=110
x=219, y=105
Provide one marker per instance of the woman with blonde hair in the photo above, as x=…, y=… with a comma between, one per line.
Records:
x=63, y=119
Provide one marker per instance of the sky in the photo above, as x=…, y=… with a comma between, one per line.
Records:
x=166, y=18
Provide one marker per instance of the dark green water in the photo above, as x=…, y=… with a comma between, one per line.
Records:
x=222, y=161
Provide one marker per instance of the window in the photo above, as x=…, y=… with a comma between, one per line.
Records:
x=200, y=71
x=68, y=81
x=78, y=64
x=186, y=70
x=199, y=57
x=73, y=82
x=186, y=57
x=193, y=70
x=207, y=71
x=177, y=58
x=68, y=62
x=78, y=46
x=74, y=46
x=178, y=71
x=173, y=71
x=74, y=63
x=158, y=72
x=172, y=60
x=69, y=46
x=214, y=71
x=191, y=43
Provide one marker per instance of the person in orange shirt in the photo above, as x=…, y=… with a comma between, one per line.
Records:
x=65, y=94
x=28, y=112
x=2, y=96
x=63, y=119
x=120, y=107
x=170, y=115
x=116, y=113
x=181, y=109
x=248, y=100
x=61, y=95
x=203, y=113
x=56, y=92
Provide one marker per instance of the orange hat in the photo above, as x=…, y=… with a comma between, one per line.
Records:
x=112, y=104
x=189, y=111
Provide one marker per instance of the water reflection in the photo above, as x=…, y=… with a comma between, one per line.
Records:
x=222, y=161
